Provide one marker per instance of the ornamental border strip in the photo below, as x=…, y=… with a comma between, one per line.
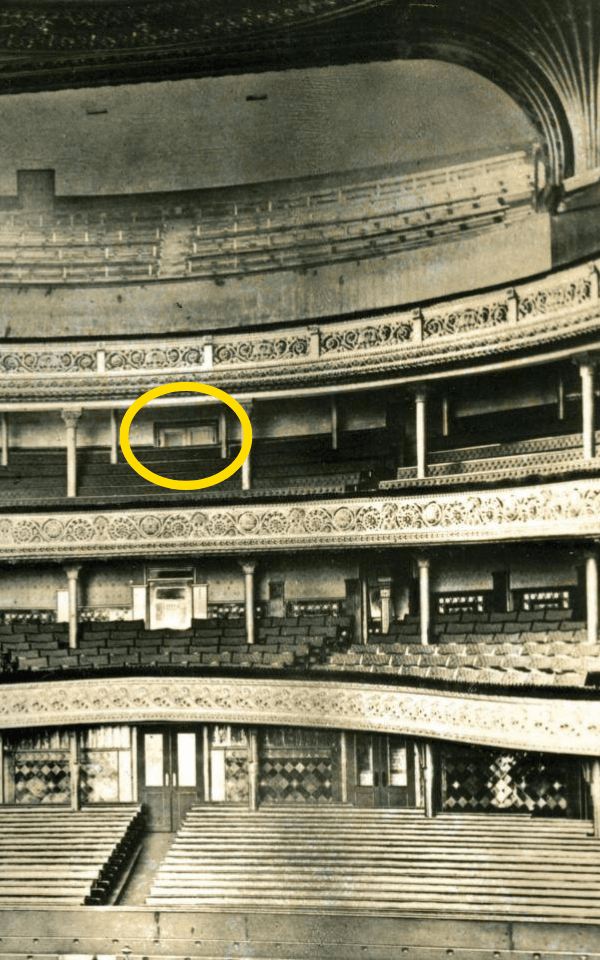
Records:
x=567, y=303
x=534, y=512
x=517, y=723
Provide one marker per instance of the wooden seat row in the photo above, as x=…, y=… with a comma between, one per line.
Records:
x=56, y=856
x=280, y=644
x=382, y=861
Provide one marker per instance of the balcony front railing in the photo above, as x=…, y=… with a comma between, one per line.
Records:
x=554, y=308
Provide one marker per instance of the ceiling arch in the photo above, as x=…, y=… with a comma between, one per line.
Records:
x=544, y=54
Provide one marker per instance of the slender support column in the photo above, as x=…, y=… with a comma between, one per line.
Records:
x=72, y=571
x=114, y=436
x=419, y=801
x=249, y=407
x=424, y=599
x=247, y=473
x=343, y=767
x=364, y=609
x=71, y=418
x=445, y=417
x=421, y=433
x=591, y=596
x=134, y=764
x=560, y=398
x=428, y=780
x=4, y=439
x=206, y=764
x=586, y=372
x=74, y=770
x=1, y=769
x=248, y=568
x=252, y=770
x=334, y=423
x=223, y=434
x=385, y=593
x=595, y=794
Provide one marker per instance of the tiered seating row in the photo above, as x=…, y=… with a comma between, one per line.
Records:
x=543, y=456
x=363, y=237
x=282, y=642
x=166, y=239
x=382, y=860
x=541, y=648
x=56, y=856
x=57, y=252
x=280, y=468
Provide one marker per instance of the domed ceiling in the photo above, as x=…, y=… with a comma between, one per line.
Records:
x=545, y=54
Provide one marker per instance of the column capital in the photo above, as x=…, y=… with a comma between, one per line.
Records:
x=586, y=361
x=248, y=566
x=72, y=570
x=421, y=393
x=71, y=416
x=423, y=561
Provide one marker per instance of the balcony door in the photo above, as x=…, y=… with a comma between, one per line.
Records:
x=382, y=772
x=169, y=775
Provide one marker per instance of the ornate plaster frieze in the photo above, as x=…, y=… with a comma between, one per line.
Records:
x=562, y=726
x=527, y=513
x=557, y=308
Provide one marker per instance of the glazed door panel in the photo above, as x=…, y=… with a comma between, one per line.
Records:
x=168, y=776
x=382, y=772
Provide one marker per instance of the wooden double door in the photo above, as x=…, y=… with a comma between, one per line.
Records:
x=169, y=775
x=382, y=771
x=179, y=767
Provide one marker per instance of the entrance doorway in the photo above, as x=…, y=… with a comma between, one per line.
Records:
x=169, y=776
x=382, y=771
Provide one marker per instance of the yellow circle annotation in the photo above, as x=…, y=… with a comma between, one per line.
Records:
x=215, y=478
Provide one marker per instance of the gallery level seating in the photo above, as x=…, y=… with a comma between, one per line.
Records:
x=281, y=643
x=55, y=856
x=280, y=468
x=283, y=227
x=542, y=456
x=360, y=220
x=42, y=248
x=540, y=648
x=393, y=861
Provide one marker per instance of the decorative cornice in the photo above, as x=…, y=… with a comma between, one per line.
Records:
x=560, y=726
x=560, y=307
x=528, y=513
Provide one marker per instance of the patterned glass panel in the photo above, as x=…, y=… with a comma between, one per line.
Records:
x=296, y=780
x=486, y=780
x=99, y=776
x=236, y=776
x=42, y=779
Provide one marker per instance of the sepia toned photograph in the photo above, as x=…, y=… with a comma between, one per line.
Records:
x=299, y=480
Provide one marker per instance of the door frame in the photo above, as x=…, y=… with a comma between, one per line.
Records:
x=167, y=803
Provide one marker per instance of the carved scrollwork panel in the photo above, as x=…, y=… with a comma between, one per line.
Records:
x=552, y=510
x=276, y=348
x=565, y=726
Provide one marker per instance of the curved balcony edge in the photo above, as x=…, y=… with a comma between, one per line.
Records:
x=568, y=726
x=558, y=307
x=542, y=511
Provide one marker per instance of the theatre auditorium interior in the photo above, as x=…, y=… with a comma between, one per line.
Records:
x=345, y=703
